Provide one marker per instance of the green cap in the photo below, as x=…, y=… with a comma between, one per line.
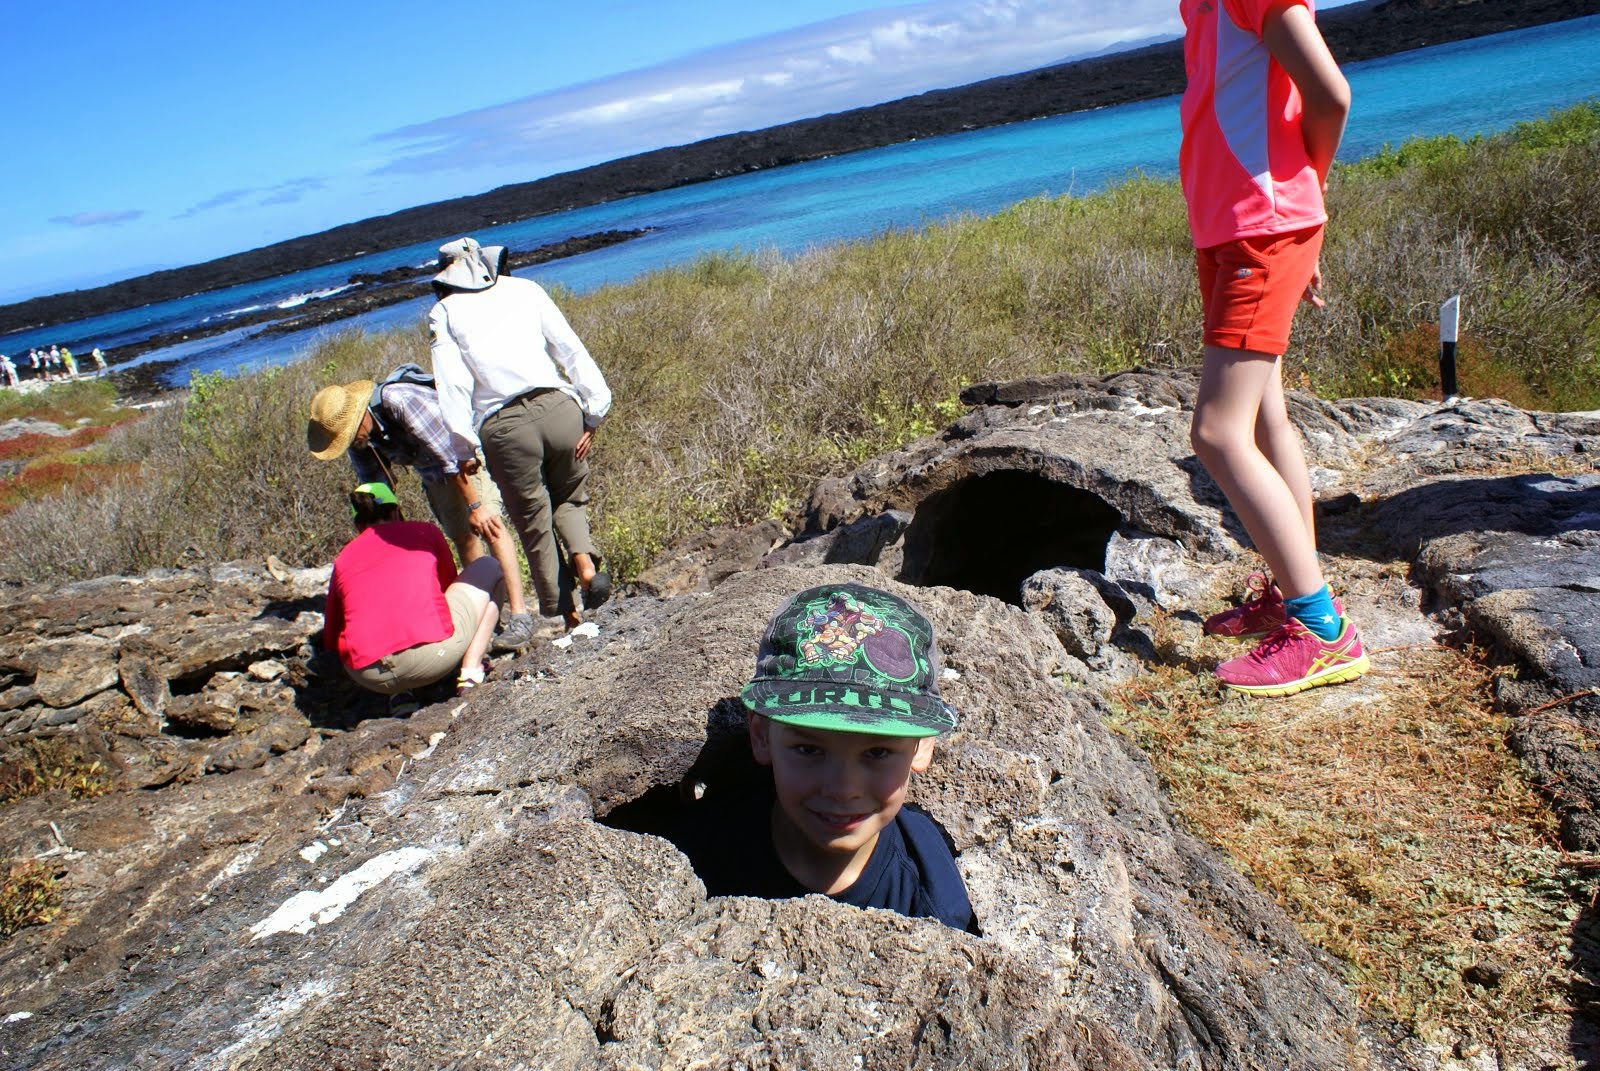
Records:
x=849, y=658
x=381, y=493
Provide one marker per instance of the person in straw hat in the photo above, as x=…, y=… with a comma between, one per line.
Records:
x=397, y=423
x=514, y=378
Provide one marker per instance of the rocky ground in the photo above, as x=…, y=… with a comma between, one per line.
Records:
x=284, y=877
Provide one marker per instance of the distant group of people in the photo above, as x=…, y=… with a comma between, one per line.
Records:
x=844, y=705
x=56, y=363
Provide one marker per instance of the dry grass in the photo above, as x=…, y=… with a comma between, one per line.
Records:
x=1389, y=820
x=741, y=380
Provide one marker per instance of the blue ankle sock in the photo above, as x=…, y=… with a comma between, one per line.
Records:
x=1316, y=612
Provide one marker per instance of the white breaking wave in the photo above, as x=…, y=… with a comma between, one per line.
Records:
x=301, y=299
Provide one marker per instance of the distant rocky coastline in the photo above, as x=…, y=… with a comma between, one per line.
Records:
x=368, y=291
x=1355, y=32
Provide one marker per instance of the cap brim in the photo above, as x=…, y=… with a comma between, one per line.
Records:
x=848, y=708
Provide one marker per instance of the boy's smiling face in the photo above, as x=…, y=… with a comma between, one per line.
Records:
x=836, y=792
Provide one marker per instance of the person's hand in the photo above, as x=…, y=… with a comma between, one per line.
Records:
x=585, y=441
x=1313, y=294
x=486, y=524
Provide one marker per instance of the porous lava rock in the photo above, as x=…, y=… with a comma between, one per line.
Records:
x=495, y=907
x=484, y=885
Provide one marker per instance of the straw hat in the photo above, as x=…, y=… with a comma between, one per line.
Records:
x=465, y=265
x=336, y=414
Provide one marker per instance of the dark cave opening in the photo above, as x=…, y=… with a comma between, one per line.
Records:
x=989, y=533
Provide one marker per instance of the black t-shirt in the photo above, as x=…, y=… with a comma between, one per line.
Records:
x=728, y=838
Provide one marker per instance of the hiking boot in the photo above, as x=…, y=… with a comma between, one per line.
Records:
x=1261, y=612
x=1293, y=658
x=403, y=703
x=598, y=591
x=515, y=634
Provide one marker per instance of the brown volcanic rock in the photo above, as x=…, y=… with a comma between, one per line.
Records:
x=479, y=885
x=476, y=912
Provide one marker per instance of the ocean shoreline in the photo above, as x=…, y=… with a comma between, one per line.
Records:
x=1356, y=32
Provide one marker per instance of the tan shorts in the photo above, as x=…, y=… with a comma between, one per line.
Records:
x=418, y=666
x=451, y=512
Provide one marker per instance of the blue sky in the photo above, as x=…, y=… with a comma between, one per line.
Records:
x=155, y=134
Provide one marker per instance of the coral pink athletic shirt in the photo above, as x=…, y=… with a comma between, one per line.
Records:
x=1244, y=165
x=387, y=592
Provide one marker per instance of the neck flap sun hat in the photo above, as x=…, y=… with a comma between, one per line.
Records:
x=336, y=414
x=849, y=658
x=466, y=265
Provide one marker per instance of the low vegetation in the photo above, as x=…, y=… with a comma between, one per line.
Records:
x=43, y=764
x=1391, y=822
x=30, y=895
x=60, y=458
x=743, y=377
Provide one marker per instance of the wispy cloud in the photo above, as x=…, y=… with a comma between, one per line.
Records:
x=98, y=219
x=282, y=194
x=285, y=193
x=813, y=70
x=221, y=200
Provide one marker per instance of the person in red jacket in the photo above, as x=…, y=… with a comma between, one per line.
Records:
x=398, y=615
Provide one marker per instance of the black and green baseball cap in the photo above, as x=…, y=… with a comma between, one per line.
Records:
x=849, y=658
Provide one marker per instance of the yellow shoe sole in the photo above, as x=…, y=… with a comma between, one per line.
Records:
x=1340, y=674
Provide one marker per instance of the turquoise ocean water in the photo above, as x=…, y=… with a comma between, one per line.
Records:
x=1464, y=88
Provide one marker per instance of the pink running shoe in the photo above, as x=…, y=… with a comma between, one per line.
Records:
x=1260, y=613
x=1293, y=659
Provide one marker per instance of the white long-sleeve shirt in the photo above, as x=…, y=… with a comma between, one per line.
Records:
x=489, y=346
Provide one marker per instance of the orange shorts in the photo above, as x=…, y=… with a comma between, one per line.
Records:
x=1250, y=288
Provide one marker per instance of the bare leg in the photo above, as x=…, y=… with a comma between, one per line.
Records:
x=469, y=548
x=1234, y=386
x=1279, y=442
x=505, y=552
x=482, y=581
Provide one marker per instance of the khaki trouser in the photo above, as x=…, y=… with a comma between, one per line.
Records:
x=419, y=666
x=529, y=446
x=451, y=513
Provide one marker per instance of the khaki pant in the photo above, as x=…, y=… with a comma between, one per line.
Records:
x=448, y=509
x=418, y=666
x=530, y=446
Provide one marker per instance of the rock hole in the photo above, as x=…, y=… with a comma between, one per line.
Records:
x=989, y=533
x=723, y=776
x=190, y=685
x=15, y=677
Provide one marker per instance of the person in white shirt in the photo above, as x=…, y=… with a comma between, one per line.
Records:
x=514, y=378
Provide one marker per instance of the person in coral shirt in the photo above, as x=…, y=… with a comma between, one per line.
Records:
x=1263, y=114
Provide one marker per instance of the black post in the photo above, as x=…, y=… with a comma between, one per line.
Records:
x=1449, y=323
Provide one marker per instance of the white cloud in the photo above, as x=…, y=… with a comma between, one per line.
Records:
x=830, y=66
x=98, y=219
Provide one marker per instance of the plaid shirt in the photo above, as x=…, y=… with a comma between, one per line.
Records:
x=408, y=429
